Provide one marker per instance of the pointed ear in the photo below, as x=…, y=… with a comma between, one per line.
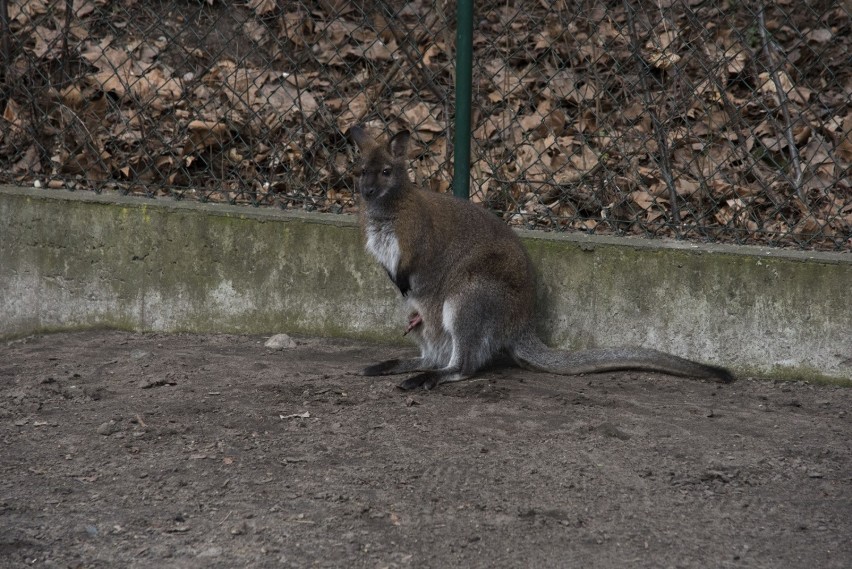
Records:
x=398, y=145
x=361, y=138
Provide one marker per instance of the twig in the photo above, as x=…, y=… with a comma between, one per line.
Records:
x=659, y=131
x=736, y=117
x=415, y=62
x=84, y=137
x=428, y=78
x=768, y=48
x=225, y=519
x=66, y=31
x=6, y=32
x=297, y=81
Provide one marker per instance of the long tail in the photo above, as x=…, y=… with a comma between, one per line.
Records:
x=530, y=352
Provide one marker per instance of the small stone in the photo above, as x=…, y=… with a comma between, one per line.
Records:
x=108, y=428
x=211, y=552
x=139, y=354
x=610, y=430
x=280, y=342
x=239, y=529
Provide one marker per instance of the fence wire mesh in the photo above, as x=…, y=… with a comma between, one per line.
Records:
x=722, y=121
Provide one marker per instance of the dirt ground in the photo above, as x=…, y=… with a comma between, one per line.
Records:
x=153, y=450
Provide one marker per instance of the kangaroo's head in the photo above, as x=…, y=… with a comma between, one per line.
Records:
x=384, y=169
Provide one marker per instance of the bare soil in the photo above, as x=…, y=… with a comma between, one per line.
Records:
x=153, y=450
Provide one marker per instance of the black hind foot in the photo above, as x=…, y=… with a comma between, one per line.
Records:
x=391, y=367
x=427, y=380
x=382, y=368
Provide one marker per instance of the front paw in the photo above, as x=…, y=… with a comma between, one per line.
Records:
x=382, y=368
x=427, y=380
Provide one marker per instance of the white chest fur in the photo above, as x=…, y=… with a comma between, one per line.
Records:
x=384, y=246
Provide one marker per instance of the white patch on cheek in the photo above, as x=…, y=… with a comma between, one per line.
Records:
x=384, y=246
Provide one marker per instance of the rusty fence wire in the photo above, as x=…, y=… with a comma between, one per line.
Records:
x=716, y=121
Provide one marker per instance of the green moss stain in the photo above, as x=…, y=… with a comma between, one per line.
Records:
x=200, y=268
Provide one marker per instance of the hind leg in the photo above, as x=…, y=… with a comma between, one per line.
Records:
x=396, y=366
x=473, y=332
x=432, y=339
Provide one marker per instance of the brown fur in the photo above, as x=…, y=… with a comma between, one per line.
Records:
x=469, y=278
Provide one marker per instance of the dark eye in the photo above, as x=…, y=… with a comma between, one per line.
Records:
x=386, y=172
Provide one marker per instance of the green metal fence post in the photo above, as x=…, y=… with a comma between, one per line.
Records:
x=464, y=72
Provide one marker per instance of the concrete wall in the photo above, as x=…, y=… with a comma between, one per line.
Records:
x=71, y=260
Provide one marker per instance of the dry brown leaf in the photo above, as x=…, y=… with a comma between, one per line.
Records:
x=659, y=51
x=72, y=96
x=495, y=96
x=796, y=94
x=587, y=121
x=285, y=100
x=421, y=117
x=12, y=114
x=821, y=35
x=116, y=70
x=844, y=148
x=376, y=50
x=844, y=151
x=722, y=189
x=503, y=78
x=262, y=7
x=255, y=31
x=565, y=85
x=572, y=163
x=354, y=111
x=801, y=132
x=24, y=11
x=48, y=43
x=482, y=179
x=83, y=8
x=643, y=199
x=29, y=162
x=341, y=38
x=337, y=7
x=298, y=28
x=528, y=163
x=156, y=89
x=91, y=166
x=685, y=186
x=434, y=51
x=737, y=57
x=586, y=159
x=529, y=122
x=808, y=225
x=205, y=133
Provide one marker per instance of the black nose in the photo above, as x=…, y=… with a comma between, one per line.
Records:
x=368, y=192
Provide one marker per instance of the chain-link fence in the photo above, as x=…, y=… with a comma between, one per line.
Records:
x=725, y=121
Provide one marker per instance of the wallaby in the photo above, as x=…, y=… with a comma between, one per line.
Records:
x=468, y=282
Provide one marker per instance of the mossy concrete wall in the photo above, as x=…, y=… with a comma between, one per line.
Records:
x=73, y=260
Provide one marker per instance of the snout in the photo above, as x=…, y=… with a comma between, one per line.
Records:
x=368, y=191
